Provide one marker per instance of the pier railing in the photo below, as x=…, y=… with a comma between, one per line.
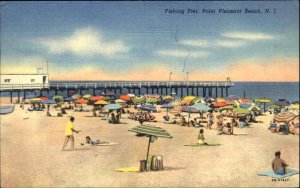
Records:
x=112, y=84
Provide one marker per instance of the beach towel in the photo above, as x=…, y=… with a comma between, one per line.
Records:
x=128, y=169
x=290, y=172
x=200, y=145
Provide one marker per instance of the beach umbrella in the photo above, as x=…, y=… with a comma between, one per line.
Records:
x=35, y=100
x=190, y=98
x=236, y=103
x=43, y=98
x=76, y=96
x=165, y=101
x=284, y=117
x=167, y=106
x=131, y=95
x=139, y=99
x=254, y=108
x=101, y=102
x=232, y=97
x=167, y=97
x=210, y=100
x=87, y=96
x=152, y=100
x=245, y=100
x=201, y=107
x=200, y=100
x=112, y=107
x=241, y=111
x=264, y=100
x=153, y=132
x=245, y=105
x=125, y=97
x=220, y=104
x=274, y=106
x=148, y=108
x=219, y=99
x=120, y=101
x=226, y=108
x=81, y=101
x=58, y=97
x=294, y=107
x=97, y=98
x=282, y=103
x=189, y=110
x=153, y=96
x=256, y=100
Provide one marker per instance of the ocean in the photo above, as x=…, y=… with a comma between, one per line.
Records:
x=251, y=90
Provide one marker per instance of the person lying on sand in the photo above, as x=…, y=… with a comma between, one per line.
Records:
x=89, y=141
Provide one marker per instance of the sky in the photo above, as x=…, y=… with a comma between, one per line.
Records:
x=138, y=40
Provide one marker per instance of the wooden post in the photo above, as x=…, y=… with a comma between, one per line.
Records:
x=18, y=96
x=226, y=91
x=222, y=92
x=148, y=147
x=216, y=92
x=11, y=95
x=197, y=90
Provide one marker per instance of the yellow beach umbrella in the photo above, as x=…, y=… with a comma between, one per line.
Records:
x=101, y=102
x=219, y=99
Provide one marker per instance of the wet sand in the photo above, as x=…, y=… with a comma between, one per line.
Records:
x=31, y=154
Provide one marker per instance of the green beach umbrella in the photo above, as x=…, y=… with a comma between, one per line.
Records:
x=76, y=96
x=241, y=110
x=152, y=100
x=264, y=100
x=153, y=132
x=274, y=106
x=254, y=108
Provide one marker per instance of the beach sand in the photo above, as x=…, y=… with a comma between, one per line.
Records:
x=31, y=154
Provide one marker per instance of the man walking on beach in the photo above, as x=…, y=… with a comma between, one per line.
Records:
x=69, y=133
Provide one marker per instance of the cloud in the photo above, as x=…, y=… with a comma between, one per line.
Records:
x=230, y=44
x=182, y=53
x=84, y=42
x=191, y=42
x=248, y=36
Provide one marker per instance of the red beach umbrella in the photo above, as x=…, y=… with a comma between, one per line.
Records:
x=80, y=101
x=97, y=98
x=125, y=97
x=284, y=117
x=44, y=98
x=220, y=104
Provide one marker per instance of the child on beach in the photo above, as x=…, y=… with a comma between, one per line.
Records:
x=279, y=165
x=201, y=137
x=88, y=140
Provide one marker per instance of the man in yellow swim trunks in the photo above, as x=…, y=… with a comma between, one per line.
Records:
x=69, y=133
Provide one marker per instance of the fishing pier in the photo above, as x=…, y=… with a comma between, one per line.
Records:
x=66, y=88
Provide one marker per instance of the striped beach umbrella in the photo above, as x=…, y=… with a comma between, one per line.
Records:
x=284, y=117
x=139, y=99
x=153, y=132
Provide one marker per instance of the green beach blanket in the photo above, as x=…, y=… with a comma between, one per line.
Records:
x=200, y=145
x=290, y=172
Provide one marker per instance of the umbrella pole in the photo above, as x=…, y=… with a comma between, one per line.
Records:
x=167, y=111
x=148, y=148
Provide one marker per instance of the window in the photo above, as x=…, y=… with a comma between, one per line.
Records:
x=32, y=80
x=7, y=80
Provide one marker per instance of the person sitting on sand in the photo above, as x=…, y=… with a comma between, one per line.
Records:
x=228, y=130
x=192, y=123
x=279, y=165
x=201, y=137
x=234, y=123
x=113, y=118
x=182, y=121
